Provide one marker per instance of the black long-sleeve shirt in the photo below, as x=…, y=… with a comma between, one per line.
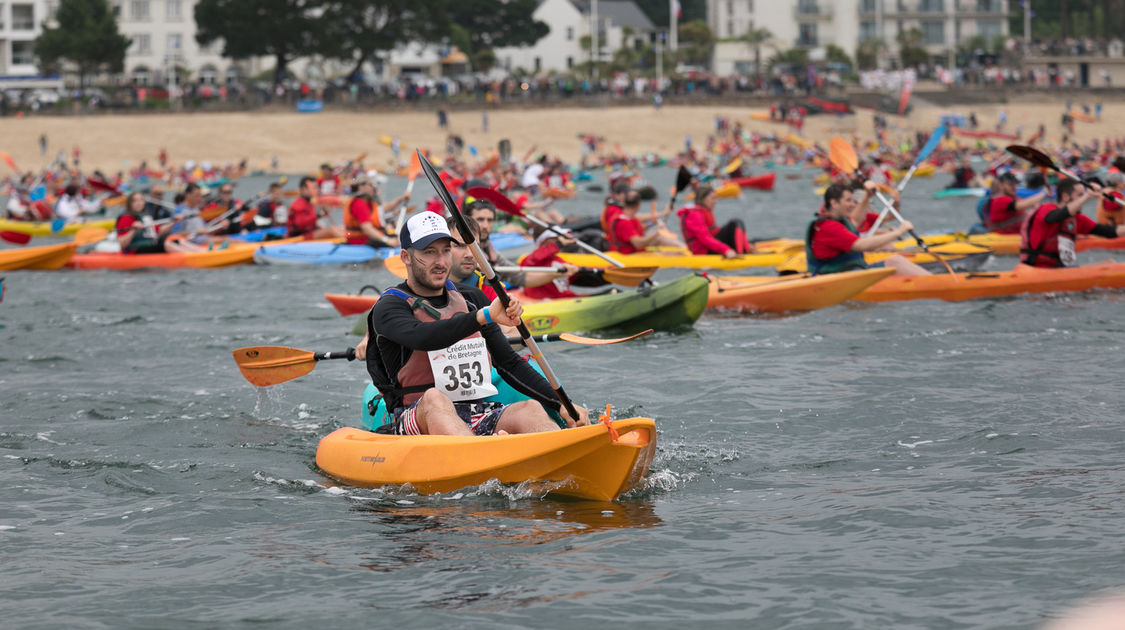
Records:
x=399, y=333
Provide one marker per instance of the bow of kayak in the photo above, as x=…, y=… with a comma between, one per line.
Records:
x=681, y=260
x=584, y=462
x=45, y=257
x=758, y=294
x=1020, y=280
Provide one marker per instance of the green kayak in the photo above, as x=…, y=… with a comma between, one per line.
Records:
x=660, y=307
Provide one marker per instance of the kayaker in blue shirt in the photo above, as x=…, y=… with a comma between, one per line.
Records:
x=430, y=350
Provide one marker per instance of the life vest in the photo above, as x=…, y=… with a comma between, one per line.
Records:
x=609, y=213
x=415, y=376
x=477, y=280
x=841, y=262
x=302, y=217
x=611, y=236
x=708, y=219
x=353, y=230
x=1041, y=239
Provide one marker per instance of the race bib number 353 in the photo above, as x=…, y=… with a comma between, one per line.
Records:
x=462, y=371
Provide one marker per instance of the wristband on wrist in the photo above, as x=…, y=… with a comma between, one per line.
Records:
x=487, y=316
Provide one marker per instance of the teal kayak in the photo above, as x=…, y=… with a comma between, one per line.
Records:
x=960, y=192
x=374, y=414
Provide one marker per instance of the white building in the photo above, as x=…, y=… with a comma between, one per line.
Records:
x=163, y=34
x=814, y=24
x=20, y=23
x=620, y=23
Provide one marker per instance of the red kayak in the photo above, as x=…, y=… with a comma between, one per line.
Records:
x=761, y=182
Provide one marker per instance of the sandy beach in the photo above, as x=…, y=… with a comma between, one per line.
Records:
x=303, y=141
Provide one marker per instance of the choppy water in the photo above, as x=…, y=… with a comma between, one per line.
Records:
x=913, y=465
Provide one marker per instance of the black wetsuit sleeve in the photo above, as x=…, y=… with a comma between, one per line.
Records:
x=516, y=372
x=1058, y=215
x=396, y=322
x=1104, y=230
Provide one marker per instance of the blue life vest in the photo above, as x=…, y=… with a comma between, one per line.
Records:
x=846, y=261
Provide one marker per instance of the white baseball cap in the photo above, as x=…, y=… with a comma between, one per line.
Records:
x=422, y=229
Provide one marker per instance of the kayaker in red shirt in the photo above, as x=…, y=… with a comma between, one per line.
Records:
x=613, y=205
x=627, y=232
x=697, y=223
x=436, y=345
x=1005, y=213
x=1047, y=236
x=1113, y=212
x=363, y=224
x=832, y=243
x=138, y=234
x=546, y=254
x=329, y=182
x=303, y=217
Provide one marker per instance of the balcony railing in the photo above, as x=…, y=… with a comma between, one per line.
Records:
x=806, y=12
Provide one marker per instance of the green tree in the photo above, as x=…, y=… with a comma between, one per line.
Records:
x=282, y=29
x=755, y=38
x=490, y=23
x=659, y=11
x=836, y=54
x=696, y=43
x=910, y=50
x=358, y=31
x=86, y=36
x=867, y=53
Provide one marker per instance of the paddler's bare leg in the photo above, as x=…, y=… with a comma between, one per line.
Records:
x=904, y=267
x=525, y=416
x=436, y=415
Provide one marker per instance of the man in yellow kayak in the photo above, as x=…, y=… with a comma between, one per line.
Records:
x=432, y=348
x=832, y=243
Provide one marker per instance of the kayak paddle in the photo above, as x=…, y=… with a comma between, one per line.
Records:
x=503, y=203
x=242, y=207
x=16, y=238
x=9, y=161
x=270, y=365
x=842, y=154
x=733, y=166
x=498, y=286
x=931, y=144
x=582, y=341
x=91, y=234
x=412, y=171
x=624, y=276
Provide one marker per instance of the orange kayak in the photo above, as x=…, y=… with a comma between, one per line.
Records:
x=1010, y=243
x=1022, y=279
x=764, y=294
x=45, y=257
x=584, y=462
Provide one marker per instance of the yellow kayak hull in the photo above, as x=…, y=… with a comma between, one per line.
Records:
x=762, y=294
x=43, y=228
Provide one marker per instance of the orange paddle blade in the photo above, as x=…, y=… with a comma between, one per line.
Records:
x=414, y=168
x=395, y=265
x=269, y=365
x=9, y=161
x=210, y=214
x=628, y=276
x=843, y=155
x=589, y=341
x=91, y=234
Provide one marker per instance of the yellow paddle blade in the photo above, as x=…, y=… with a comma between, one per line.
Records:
x=843, y=155
x=114, y=201
x=269, y=365
x=395, y=265
x=386, y=140
x=734, y=165
x=628, y=276
x=91, y=234
x=414, y=168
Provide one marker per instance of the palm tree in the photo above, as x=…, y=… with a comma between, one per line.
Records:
x=754, y=38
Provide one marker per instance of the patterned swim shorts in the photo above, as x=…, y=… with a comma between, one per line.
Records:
x=481, y=417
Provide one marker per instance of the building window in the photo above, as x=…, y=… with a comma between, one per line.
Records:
x=142, y=43
x=750, y=5
x=52, y=8
x=174, y=41
x=933, y=33
x=730, y=8
x=867, y=6
x=808, y=7
x=141, y=75
x=990, y=28
x=23, y=17
x=988, y=6
x=208, y=75
x=138, y=10
x=23, y=53
x=867, y=31
x=569, y=63
x=570, y=33
x=234, y=75
x=806, y=35
x=931, y=6
x=2, y=14
x=173, y=11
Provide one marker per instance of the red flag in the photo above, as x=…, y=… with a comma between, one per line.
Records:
x=904, y=99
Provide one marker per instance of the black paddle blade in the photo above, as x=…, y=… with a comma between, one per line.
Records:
x=683, y=179
x=446, y=198
x=1033, y=155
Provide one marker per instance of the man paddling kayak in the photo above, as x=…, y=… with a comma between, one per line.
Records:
x=627, y=232
x=1047, y=236
x=363, y=223
x=303, y=216
x=432, y=350
x=703, y=236
x=832, y=243
x=1004, y=212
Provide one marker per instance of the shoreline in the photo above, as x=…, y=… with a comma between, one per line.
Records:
x=303, y=141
